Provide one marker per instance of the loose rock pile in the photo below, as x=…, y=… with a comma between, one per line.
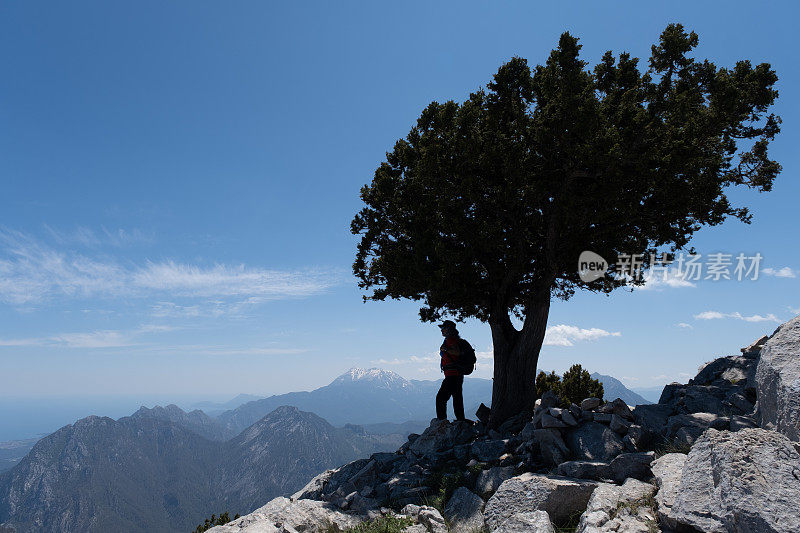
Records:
x=595, y=466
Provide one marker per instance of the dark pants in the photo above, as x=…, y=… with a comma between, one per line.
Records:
x=451, y=386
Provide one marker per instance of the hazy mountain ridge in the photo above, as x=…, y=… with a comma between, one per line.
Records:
x=196, y=421
x=361, y=396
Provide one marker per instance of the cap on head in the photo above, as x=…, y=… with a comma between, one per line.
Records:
x=448, y=324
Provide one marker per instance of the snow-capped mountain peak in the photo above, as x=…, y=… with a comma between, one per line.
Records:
x=373, y=376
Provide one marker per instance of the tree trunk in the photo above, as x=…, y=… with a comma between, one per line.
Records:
x=516, y=355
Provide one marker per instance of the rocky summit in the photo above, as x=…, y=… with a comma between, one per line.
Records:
x=717, y=454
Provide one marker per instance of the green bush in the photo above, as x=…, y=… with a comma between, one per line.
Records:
x=215, y=520
x=575, y=385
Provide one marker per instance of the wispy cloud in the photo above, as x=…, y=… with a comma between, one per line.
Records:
x=684, y=325
x=32, y=272
x=795, y=310
x=785, y=272
x=564, y=335
x=91, y=339
x=716, y=315
x=87, y=237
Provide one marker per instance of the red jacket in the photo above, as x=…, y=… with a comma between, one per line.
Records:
x=447, y=358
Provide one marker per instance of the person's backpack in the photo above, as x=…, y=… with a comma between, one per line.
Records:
x=466, y=359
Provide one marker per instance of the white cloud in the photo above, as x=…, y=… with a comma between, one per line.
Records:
x=716, y=315
x=795, y=310
x=32, y=272
x=684, y=325
x=564, y=335
x=668, y=278
x=785, y=272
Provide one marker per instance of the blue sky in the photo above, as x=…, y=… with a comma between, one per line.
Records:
x=178, y=181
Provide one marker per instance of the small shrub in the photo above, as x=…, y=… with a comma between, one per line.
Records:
x=384, y=524
x=442, y=484
x=215, y=520
x=575, y=385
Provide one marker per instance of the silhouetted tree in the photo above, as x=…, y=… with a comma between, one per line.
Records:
x=483, y=209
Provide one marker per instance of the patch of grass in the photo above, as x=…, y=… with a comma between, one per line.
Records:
x=442, y=484
x=666, y=447
x=384, y=524
x=633, y=506
x=570, y=525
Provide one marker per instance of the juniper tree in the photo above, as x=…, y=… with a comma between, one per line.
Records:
x=482, y=210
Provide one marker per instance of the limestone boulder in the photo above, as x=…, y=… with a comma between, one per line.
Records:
x=593, y=442
x=619, y=508
x=744, y=481
x=778, y=381
x=464, y=510
x=490, y=480
x=667, y=472
x=283, y=514
x=560, y=497
x=527, y=522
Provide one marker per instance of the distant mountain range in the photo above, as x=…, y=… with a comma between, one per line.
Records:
x=363, y=396
x=147, y=473
x=165, y=469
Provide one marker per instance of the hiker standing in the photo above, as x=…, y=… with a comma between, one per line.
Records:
x=453, y=375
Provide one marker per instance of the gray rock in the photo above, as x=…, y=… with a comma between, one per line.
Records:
x=550, y=445
x=741, y=481
x=488, y=450
x=427, y=516
x=617, y=407
x=441, y=435
x=490, y=480
x=464, y=510
x=778, y=381
x=282, y=514
x=619, y=424
x=560, y=497
x=568, y=418
x=667, y=472
x=632, y=465
x=699, y=421
x=590, y=403
x=755, y=348
x=527, y=431
x=653, y=417
x=550, y=399
x=593, y=442
x=742, y=422
x=549, y=421
x=604, y=418
x=585, y=470
x=619, y=508
x=527, y=522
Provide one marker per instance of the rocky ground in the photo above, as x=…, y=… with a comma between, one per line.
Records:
x=718, y=454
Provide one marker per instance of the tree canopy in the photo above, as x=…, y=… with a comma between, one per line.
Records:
x=484, y=207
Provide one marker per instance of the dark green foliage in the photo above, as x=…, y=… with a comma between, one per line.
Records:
x=576, y=385
x=220, y=520
x=384, y=524
x=484, y=207
x=442, y=484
